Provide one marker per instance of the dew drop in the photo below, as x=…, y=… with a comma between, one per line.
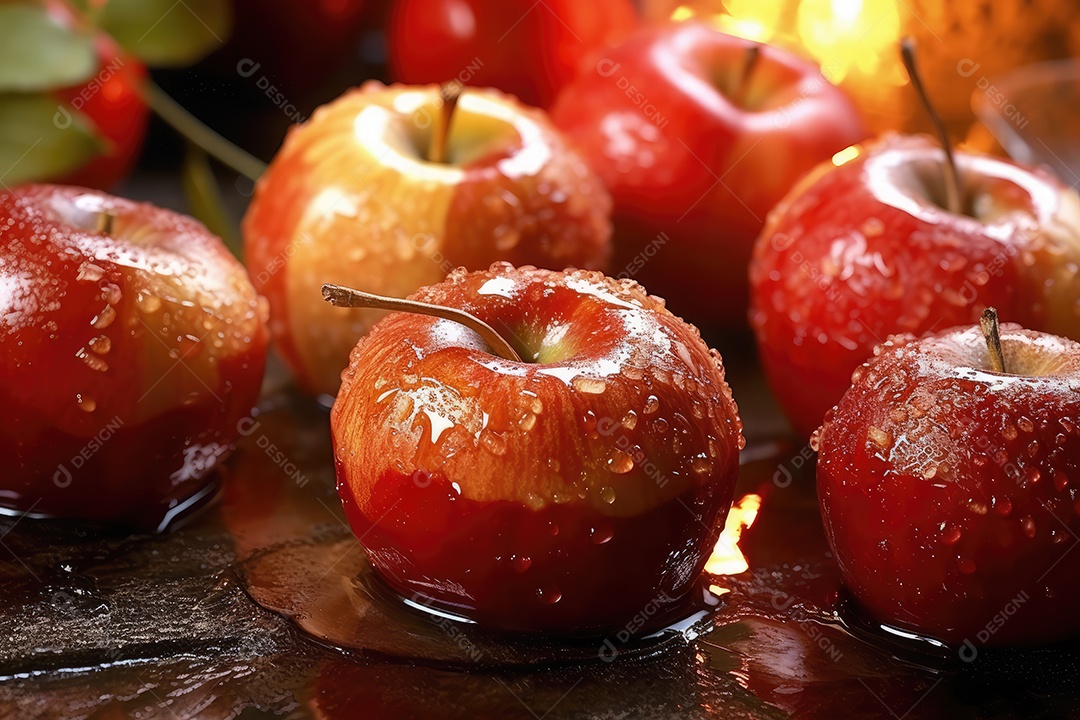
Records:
x=701, y=465
x=589, y=386
x=652, y=404
x=815, y=440
x=553, y=528
x=978, y=508
x=85, y=403
x=1025, y=425
x=520, y=563
x=951, y=535
x=527, y=422
x=104, y=318
x=620, y=462
x=629, y=420
x=966, y=565
x=101, y=345
x=1009, y=433
x=148, y=303
x=1027, y=524
x=92, y=361
x=1003, y=507
x=601, y=534
x=90, y=272
x=549, y=595
x=111, y=293
x=607, y=494
x=879, y=437
x=534, y=501
x=493, y=442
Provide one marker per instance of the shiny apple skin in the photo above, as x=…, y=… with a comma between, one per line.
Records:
x=504, y=44
x=948, y=490
x=127, y=361
x=564, y=494
x=693, y=173
x=858, y=252
x=349, y=207
x=112, y=102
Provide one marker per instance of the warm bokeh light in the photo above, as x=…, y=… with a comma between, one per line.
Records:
x=727, y=558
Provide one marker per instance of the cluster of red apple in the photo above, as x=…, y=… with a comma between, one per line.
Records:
x=555, y=448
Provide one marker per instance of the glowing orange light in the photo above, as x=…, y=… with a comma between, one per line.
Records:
x=727, y=558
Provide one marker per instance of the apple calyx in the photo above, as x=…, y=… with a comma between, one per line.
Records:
x=953, y=189
x=340, y=296
x=989, y=324
x=450, y=92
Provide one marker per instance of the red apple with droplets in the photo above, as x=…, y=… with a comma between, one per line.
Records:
x=566, y=491
x=902, y=236
x=389, y=188
x=948, y=486
x=131, y=344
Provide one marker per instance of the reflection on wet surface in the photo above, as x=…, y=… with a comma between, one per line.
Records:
x=99, y=625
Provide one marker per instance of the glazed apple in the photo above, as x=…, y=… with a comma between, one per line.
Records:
x=863, y=248
x=697, y=134
x=946, y=486
x=131, y=344
x=568, y=491
x=355, y=197
x=517, y=46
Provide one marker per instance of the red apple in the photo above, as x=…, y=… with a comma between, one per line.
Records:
x=112, y=101
x=571, y=491
x=697, y=140
x=525, y=48
x=128, y=354
x=352, y=198
x=862, y=248
x=948, y=488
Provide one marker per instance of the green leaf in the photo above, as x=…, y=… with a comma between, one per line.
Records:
x=41, y=139
x=204, y=197
x=170, y=33
x=37, y=53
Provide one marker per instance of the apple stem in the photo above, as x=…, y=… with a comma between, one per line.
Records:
x=953, y=189
x=989, y=324
x=340, y=296
x=105, y=222
x=195, y=131
x=450, y=92
x=750, y=61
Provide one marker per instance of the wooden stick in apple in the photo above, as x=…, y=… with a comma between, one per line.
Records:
x=989, y=324
x=953, y=190
x=341, y=296
x=450, y=92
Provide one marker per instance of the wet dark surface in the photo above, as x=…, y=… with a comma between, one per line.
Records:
x=97, y=624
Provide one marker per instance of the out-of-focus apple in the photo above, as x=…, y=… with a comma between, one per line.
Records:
x=354, y=198
x=697, y=134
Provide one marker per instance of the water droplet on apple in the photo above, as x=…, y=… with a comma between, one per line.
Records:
x=607, y=494
x=86, y=404
x=620, y=462
x=629, y=420
x=493, y=442
x=111, y=293
x=549, y=595
x=966, y=565
x=104, y=318
x=701, y=465
x=148, y=303
x=588, y=385
x=94, y=362
x=90, y=272
x=520, y=563
x=601, y=534
x=652, y=404
x=1027, y=524
x=1009, y=433
x=951, y=535
x=101, y=344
